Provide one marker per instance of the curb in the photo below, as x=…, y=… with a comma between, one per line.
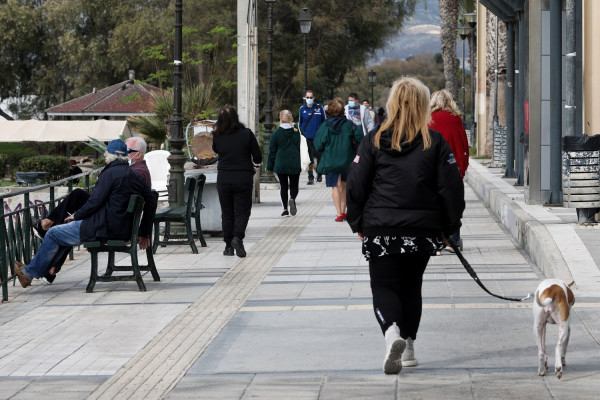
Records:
x=528, y=232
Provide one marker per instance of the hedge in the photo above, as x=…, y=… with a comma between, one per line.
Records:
x=56, y=167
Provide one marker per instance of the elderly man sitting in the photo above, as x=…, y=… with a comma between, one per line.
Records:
x=104, y=216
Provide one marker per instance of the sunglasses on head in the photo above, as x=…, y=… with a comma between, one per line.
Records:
x=132, y=151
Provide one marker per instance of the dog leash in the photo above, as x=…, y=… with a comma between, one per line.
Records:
x=471, y=272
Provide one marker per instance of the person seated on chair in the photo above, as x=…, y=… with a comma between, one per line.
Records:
x=136, y=149
x=104, y=216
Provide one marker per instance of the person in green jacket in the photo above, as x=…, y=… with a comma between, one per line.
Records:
x=284, y=160
x=334, y=140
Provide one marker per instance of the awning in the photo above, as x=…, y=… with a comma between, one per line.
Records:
x=62, y=131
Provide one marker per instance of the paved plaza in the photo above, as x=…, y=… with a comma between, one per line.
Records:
x=293, y=320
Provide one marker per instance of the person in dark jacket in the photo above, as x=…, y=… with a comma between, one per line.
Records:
x=334, y=141
x=405, y=195
x=239, y=154
x=284, y=160
x=104, y=216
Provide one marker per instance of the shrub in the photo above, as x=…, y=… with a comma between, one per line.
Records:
x=3, y=165
x=56, y=167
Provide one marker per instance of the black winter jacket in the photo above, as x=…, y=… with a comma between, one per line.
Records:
x=105, y=213
x=237, y=151
x=409, y=192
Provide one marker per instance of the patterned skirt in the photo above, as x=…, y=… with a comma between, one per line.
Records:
x=379, y=246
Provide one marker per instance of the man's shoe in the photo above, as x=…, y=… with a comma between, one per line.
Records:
x=319, y=178
x=228, y=251
x=238, y=245
x=293, y=208
x=38, y=231
x=285, y=213
x=310, y=181
x=23, y=280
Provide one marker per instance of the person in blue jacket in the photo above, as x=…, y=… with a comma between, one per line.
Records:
x=104, y=216
x=311, y=117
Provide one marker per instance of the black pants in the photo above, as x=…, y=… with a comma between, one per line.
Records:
x=236, y=205
x=396, y=282
x=313, y=155
x=292, y=186
x=73, y=202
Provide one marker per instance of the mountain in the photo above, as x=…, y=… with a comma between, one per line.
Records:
x=421, y=34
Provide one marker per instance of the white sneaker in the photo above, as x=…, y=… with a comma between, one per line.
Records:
x=408, y=357
x=395, y=346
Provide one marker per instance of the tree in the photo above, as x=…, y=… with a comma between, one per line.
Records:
x=449, y=20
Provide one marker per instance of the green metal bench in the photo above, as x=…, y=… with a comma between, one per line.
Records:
x=136, y=206
x=184, y=215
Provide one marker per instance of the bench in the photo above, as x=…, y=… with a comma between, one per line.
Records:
x=136, y=206
x=183, y=214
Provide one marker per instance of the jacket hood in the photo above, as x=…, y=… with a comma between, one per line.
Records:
x=335, y=123
x=385, y=144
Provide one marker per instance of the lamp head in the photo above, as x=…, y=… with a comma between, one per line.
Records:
x=463, y=32
x=305, y=19
x=471, y=19
x=372, y=75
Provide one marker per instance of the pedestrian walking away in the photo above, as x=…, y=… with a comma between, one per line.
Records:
x=239, y=154
x=404, y=195
x=358, y=114
x=445, y=118
x=312, y=115
x=104, y=216
x=284, y=160
x=334, y=140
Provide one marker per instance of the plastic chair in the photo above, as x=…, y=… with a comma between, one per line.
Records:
x=159, y=166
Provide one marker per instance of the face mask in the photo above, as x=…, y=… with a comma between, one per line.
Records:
x=309, y=102
x=351, y=104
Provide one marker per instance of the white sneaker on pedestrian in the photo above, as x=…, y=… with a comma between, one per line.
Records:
x=408, y=357
x=395, y=346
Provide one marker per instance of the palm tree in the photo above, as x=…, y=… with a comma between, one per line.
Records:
x=449, y=21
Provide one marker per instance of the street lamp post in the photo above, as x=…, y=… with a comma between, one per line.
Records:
x=305, y=19
x=463, y=32
x=471, y=19
x=176, y=140
x=372, y=75
x=268, y=177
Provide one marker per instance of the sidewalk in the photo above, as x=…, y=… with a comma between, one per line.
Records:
x=293, y=320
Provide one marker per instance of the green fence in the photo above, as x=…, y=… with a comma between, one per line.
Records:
x=17, y=241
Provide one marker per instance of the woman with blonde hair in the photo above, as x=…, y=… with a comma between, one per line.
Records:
x=446, y=119
x=404, y=194
x=284, y=160
x=334, y=141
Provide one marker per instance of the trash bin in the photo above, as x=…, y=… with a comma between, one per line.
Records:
x=581, y=174
x=31, y=178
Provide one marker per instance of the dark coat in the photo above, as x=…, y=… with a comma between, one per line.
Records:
x=334, y=142
x=237, y=152
x=105, y=213
x=284, y=152
x=409, y=192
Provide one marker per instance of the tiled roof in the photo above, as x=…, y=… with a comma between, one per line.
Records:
x=122, y=99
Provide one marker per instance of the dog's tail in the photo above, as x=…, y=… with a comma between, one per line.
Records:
x=542, y=303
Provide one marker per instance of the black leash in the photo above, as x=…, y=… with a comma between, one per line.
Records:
x=471, y=272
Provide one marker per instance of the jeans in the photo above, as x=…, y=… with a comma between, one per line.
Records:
x=48, y=254
x=313, y=156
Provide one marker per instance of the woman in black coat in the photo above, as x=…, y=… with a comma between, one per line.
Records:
x=238, y=153
x=404, y=196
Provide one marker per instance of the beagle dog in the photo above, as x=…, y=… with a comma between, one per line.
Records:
x=552, y=305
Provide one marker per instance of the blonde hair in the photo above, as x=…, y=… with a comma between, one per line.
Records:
x=442, y=101
x=286, y=116
x=408, y=113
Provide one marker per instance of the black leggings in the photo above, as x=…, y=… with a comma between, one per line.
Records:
x=236, y=206
x=396, y=286
x=293, y=187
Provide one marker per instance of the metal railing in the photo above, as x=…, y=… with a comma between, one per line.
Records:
x=17, y=242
